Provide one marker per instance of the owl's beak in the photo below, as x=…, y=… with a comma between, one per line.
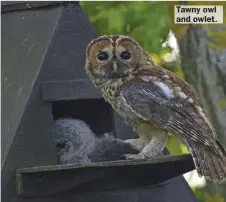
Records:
x=115, y=66
x=117, y=69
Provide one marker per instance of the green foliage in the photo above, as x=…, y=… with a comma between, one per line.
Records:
x=203, y=196
x=146, y=22
x=216, y=198
x=222, y=104
x=175, y=147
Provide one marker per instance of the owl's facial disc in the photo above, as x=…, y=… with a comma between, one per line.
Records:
x=113, y=57
x=113, y=66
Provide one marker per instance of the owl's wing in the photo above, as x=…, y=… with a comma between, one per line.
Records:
x=160, y=72
x=151, y=104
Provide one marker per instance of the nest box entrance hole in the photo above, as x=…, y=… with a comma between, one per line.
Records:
x=95, y=112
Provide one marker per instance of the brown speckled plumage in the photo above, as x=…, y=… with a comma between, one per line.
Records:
x=154, y=100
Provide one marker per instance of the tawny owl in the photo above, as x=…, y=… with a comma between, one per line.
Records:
x=154, y=100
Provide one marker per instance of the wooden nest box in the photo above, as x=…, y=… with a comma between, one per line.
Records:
x=43, y=78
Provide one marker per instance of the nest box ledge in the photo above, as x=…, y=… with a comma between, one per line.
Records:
x=107, y=176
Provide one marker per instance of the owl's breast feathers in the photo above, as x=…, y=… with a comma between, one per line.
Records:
x=156, y=96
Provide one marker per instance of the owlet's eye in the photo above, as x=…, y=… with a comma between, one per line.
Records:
x=102, y=56
x=125, y=55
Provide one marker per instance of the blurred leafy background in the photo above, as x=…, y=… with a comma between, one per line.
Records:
x=151, y=24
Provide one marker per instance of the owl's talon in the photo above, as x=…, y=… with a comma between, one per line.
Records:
x=137, y=144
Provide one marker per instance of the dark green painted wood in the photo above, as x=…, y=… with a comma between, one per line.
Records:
x=117, y=175
x=109, y=164
x=32, y=145
x=8, y=6
x=66, y=56
x=25, y=39
x=26, y=119
x=69, y=90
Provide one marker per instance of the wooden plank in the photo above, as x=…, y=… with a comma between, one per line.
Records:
x=69, y=90
x=174, y=190
x=25, y=40
x=27, y=120
x=33, y=144
x=66, y=55
x=8, y=6
x=104, y=176
x=120, y=163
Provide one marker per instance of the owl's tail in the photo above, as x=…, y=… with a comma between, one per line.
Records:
x=208, y=164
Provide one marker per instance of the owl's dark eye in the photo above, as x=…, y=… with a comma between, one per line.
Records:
x=126, y=55
x=102, y=56
x=61, y=144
